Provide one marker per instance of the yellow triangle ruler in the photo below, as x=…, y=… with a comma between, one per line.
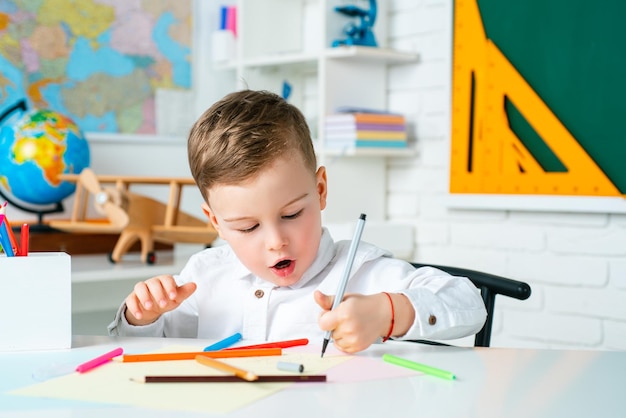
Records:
x=486, y=155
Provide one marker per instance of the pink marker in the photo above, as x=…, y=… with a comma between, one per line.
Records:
x=231, y=19
x=105, y=358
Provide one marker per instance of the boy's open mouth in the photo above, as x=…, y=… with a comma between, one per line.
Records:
x=282, y=264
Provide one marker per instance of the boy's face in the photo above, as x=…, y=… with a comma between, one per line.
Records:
x=273, y=221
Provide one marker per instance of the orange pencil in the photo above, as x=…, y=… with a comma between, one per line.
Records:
x=277, y=344
x=216, y=364
x=192, y=355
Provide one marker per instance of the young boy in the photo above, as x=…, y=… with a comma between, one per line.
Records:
x=252, y=157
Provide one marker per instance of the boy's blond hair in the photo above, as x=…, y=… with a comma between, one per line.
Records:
x=242, y=134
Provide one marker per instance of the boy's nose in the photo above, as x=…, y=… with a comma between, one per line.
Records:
x=275, y=239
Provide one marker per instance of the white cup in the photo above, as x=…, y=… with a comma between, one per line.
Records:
x=223, y=44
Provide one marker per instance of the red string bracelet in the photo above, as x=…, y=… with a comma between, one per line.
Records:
x=393, y=317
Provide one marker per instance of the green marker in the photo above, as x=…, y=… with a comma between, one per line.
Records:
x=433, y=371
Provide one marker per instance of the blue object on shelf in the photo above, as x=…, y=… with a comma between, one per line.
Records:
x=361, y=33
x=286, y=90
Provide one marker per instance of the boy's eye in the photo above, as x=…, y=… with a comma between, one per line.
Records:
x=247, y=230
x=294, y=216
x=252, y=228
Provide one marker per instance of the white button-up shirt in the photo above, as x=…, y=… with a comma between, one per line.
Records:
x=231, y=299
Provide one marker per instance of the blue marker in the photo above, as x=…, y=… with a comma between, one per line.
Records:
x=5, y=242
x=226, y=342
x=223, y=17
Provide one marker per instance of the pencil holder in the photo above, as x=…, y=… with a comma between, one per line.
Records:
x=36, y=307
x=223, y=44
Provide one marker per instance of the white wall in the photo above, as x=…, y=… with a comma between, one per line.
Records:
x=574, y=262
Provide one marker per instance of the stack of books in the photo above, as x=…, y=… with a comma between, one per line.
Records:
x=365, y=130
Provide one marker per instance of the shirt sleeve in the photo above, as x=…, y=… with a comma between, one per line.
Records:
x=179, y=323
x=120, y=326
x=446, y=306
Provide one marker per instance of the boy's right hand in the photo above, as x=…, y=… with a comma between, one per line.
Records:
x=153, y=297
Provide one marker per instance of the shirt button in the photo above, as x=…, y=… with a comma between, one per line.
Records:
x=259, y=293
x=432, y=320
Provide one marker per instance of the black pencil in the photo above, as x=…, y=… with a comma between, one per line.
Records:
x=231, y=379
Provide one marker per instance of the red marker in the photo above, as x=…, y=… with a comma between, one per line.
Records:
x=24, y=240
x=277, y=344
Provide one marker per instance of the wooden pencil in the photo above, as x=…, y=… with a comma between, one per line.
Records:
x=216, y=364
x=192, y=355
x=231, y=379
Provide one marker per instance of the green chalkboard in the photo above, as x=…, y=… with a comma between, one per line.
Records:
x=573, y=54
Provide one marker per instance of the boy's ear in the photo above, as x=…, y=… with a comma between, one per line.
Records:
x=209, y=214
x=322, y=186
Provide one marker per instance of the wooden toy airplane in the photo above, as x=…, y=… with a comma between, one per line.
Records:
x=132, y=215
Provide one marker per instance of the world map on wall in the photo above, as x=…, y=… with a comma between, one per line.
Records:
x=100, y=62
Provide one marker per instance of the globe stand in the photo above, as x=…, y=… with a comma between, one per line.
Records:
x=40, y=212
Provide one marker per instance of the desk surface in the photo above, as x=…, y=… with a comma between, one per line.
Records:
x=491, y=382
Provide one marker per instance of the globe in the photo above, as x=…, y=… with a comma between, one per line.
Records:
x=35, y=150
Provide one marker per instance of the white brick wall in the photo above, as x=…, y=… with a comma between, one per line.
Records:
x=574, y=262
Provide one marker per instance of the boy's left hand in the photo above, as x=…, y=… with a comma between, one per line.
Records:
x=358, y=320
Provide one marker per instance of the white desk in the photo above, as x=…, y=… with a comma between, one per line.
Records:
x=491, y=383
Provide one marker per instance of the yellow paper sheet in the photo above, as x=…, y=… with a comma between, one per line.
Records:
x=111, y=383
